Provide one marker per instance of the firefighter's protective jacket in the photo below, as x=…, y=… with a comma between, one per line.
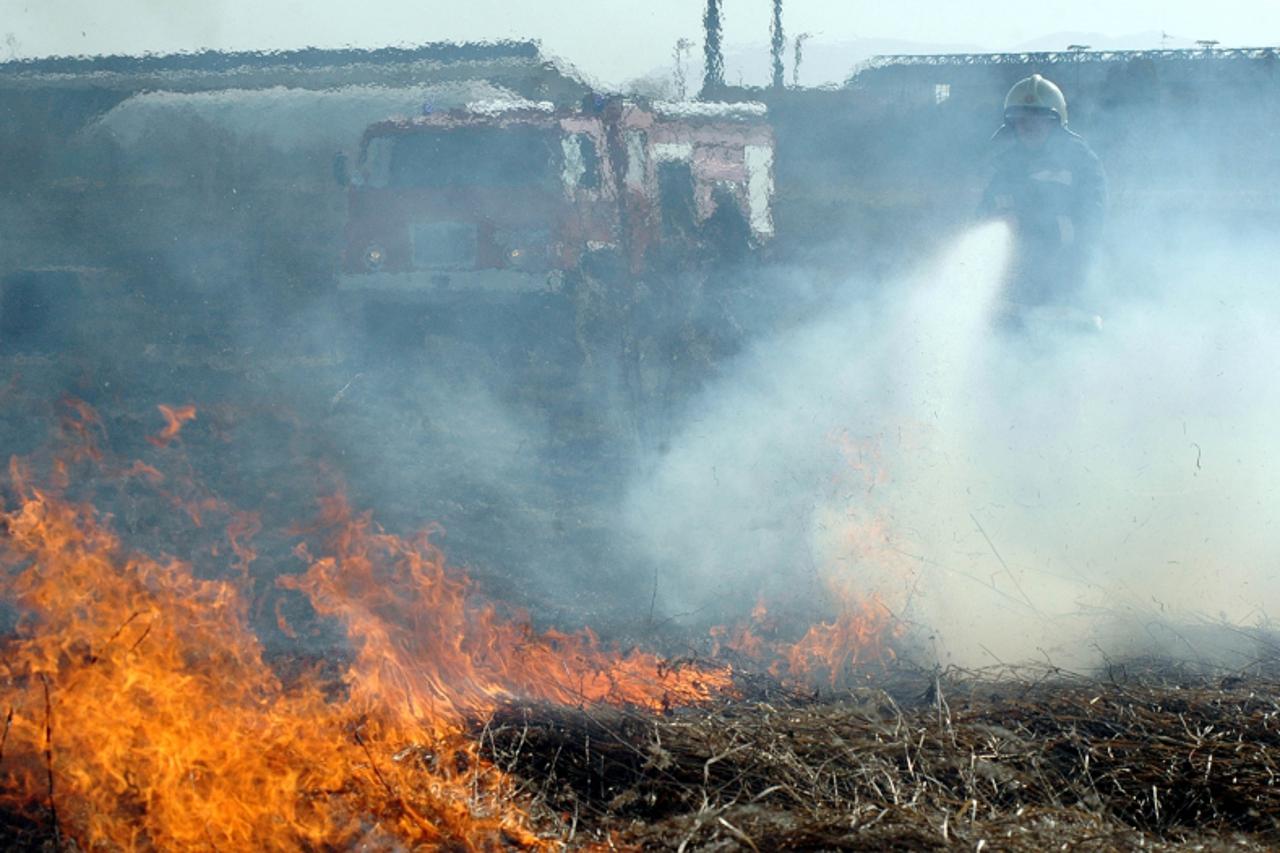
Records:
x=1055, y=199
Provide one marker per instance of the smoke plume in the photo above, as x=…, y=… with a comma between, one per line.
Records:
x=1057, y=492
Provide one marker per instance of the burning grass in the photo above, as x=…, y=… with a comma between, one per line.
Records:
x=142, y=712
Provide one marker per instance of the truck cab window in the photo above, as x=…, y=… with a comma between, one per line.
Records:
x=581, y=162
x=472, y=157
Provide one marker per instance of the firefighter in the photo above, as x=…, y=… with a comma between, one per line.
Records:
x=1050, y=187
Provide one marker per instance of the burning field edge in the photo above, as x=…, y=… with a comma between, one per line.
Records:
x=142, y=711
x=1148, y=756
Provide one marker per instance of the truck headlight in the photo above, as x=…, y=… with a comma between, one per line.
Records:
x=526, y=249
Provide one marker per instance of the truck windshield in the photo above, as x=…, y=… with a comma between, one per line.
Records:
x=488, y=156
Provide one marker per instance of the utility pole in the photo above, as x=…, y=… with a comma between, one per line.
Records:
x=795, y=67
x=681, y=51
x=779, y=44
x=713, y=73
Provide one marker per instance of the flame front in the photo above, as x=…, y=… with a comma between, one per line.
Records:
x=427, y=648
x=141, y=713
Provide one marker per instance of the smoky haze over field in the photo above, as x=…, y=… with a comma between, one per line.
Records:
x=840, y=415
x=1057, y=493
x=1053, y=493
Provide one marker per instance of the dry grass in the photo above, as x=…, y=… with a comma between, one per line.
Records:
x=1008, y=761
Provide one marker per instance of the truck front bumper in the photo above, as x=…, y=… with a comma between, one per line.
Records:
x=425, y=284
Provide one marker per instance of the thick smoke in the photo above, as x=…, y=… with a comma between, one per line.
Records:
x=1056, y=493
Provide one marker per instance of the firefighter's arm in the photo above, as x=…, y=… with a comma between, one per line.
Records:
x=997, y=199
x=1091, y=200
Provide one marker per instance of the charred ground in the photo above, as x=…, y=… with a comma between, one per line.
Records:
x=1006, y=760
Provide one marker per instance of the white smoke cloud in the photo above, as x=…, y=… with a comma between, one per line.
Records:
x=1056, y=493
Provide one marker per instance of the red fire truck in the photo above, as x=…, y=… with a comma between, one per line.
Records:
x=507, y=198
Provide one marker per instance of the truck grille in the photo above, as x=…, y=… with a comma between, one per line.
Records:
x=444, y=245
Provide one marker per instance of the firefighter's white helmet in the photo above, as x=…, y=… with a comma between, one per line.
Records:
x=1035, y=95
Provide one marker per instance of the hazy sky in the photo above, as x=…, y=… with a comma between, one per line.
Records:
x=609, y=39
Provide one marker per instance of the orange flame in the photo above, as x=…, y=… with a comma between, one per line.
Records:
x=424, y=640
x=856, y=642
x=174, y=418
x=860, y=636
x=144, y=716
